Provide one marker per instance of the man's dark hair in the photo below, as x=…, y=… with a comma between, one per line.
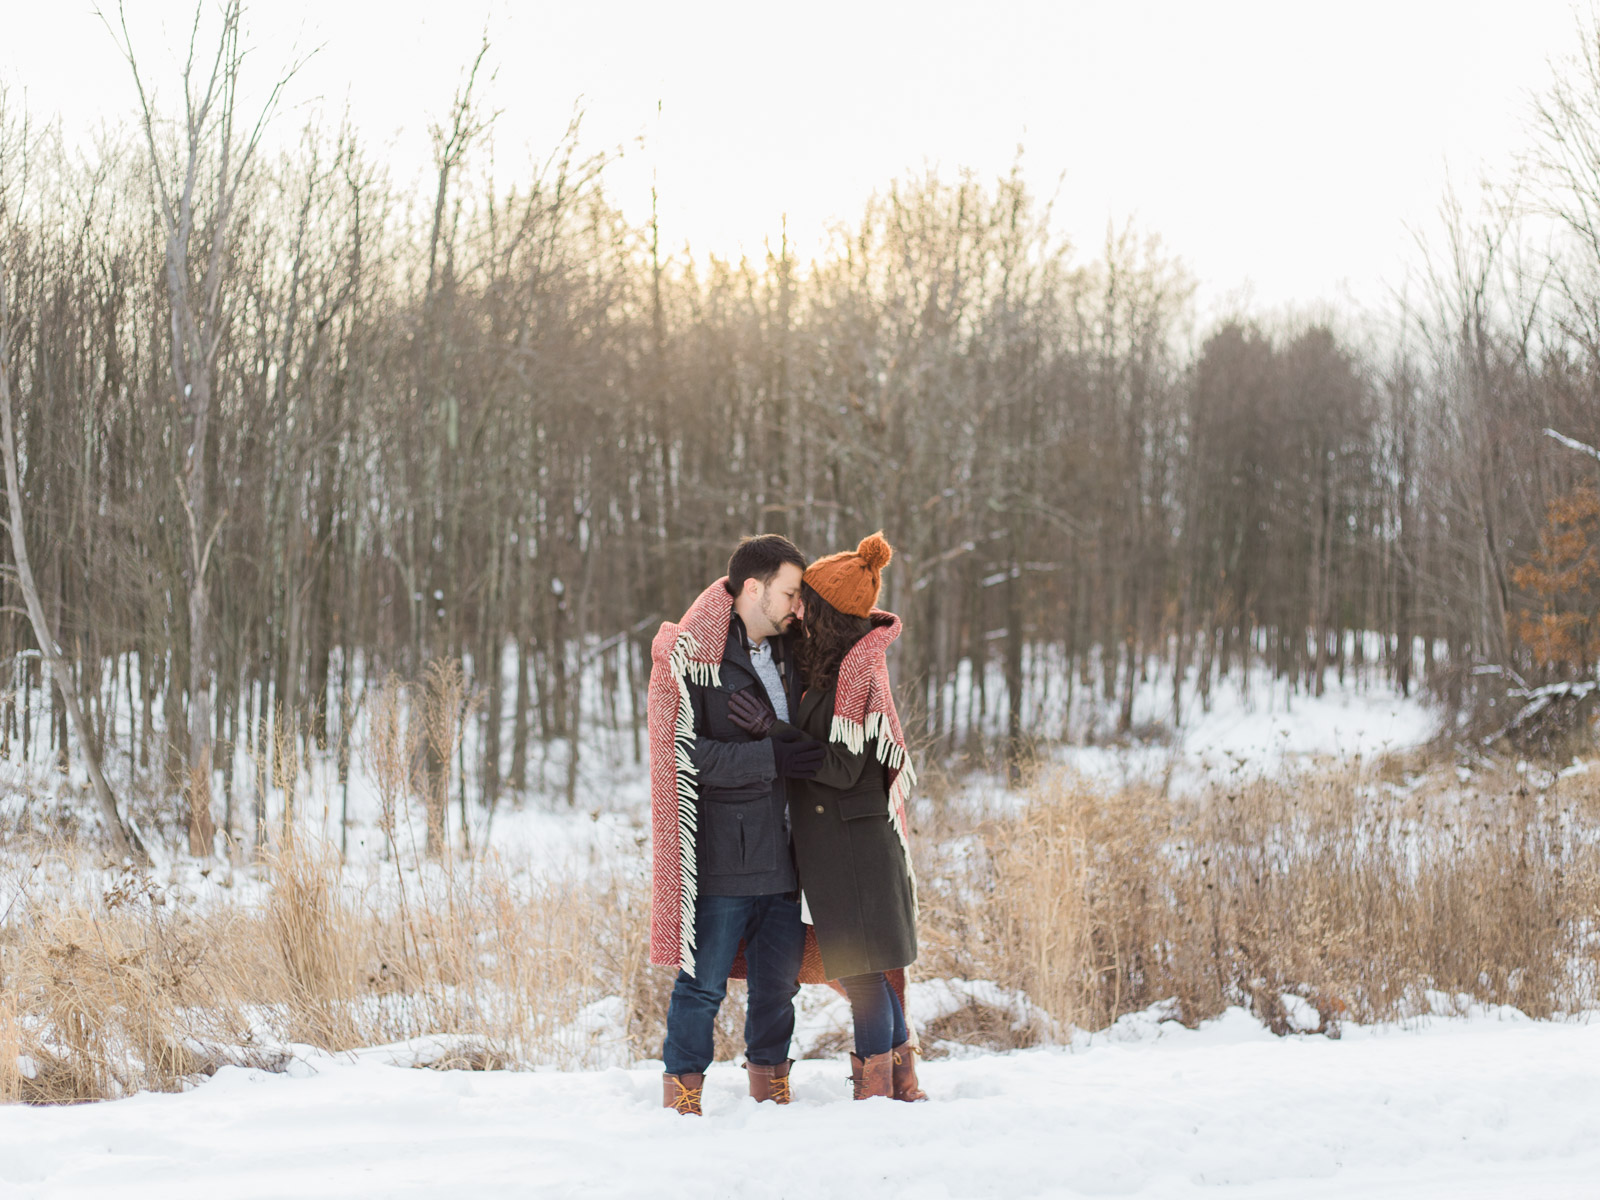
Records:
x=760, y=558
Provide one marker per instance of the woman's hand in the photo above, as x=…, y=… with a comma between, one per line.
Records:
x=753, y=716
x=795, y=755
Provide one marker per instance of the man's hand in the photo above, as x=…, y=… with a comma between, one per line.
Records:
x=750, y=714
x=796, y=755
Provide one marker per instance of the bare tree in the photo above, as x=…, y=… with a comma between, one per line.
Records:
x=197, y=200
x=13, y=146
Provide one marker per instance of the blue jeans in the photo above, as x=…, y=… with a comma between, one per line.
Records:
x=880, y=1021
x=774, y=942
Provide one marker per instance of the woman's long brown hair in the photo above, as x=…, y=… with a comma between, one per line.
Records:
x=829, y=636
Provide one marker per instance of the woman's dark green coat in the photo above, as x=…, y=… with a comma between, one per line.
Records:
x=852, y=865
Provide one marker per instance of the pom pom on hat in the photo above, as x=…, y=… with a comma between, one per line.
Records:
x=850, y=579
x=875, y=552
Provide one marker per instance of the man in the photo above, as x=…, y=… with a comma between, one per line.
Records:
x=724, y=868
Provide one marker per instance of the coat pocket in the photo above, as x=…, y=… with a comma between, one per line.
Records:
x=740, y=836
x=861, y=805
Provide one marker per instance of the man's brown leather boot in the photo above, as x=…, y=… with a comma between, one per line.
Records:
x=682, y=1092
x=905, y=1072
x=770, y=1083
x=873, y=1075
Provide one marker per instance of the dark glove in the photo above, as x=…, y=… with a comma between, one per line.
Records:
x=797, y=756
x=750, y=714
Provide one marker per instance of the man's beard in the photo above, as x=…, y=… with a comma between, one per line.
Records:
x=777, y=623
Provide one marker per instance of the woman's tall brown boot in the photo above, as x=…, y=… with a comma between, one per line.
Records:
x=873, y=1075
x=905, y=1072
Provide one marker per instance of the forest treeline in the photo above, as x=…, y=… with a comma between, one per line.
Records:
x=284, y=426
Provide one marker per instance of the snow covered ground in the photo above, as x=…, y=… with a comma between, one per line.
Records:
x=1489, y=1106
x=1257, y=728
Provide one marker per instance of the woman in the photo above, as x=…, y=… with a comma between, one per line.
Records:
x=849, y=821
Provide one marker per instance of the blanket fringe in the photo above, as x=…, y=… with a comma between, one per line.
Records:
x=854, y=736
x=685, y=667
x=847, y=733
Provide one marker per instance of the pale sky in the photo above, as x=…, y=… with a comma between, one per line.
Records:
x=1282, y=149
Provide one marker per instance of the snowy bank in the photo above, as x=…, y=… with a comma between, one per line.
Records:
x=1490, y=1106
x=1255, y=728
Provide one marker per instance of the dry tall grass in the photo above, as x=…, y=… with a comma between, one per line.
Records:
x=105, y=994
x=1365, y=893
x=1363, y=897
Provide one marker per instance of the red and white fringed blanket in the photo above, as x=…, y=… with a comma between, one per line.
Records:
x=690, y=649
x=863, y=714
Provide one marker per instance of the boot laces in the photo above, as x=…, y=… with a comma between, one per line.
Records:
x=687, y=1100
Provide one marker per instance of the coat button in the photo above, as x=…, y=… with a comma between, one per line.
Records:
x=819, y=808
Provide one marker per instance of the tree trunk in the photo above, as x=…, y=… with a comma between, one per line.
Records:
x=123, y=839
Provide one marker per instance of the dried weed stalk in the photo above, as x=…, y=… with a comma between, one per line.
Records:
x=1339, y=896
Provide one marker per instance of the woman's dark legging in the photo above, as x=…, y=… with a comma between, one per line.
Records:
x=880, y=1021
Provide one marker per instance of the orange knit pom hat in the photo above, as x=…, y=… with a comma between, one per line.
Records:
x=851, y=579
